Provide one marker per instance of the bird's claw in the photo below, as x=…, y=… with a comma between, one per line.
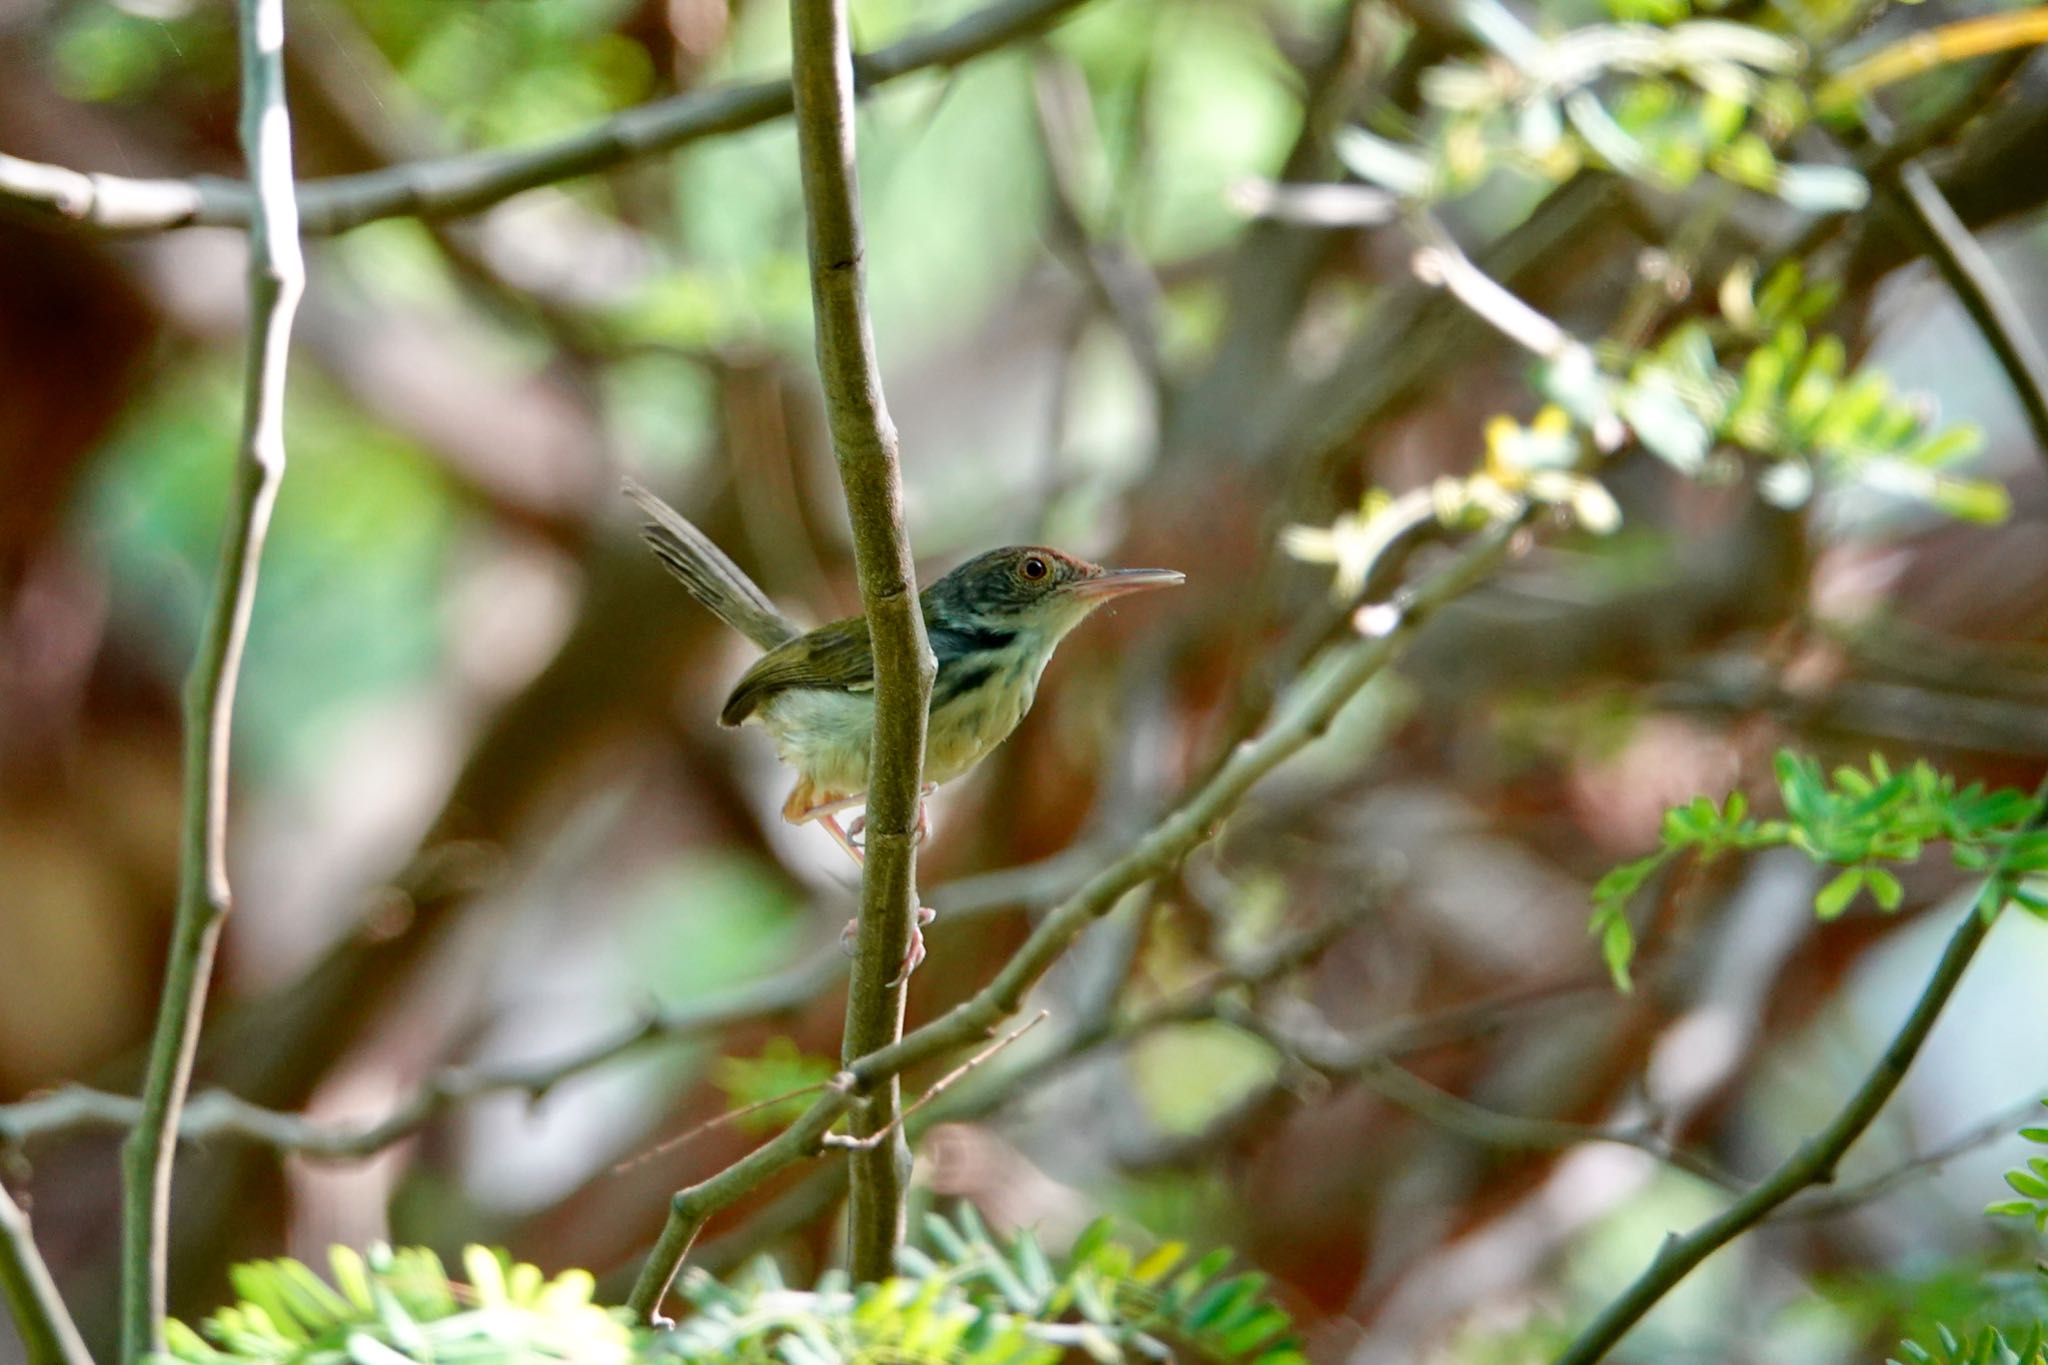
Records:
x=912, y=955
x=858, y=825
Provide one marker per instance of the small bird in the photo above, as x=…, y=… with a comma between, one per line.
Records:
x=992, y=623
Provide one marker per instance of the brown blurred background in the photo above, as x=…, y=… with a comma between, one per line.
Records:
x=484, y=814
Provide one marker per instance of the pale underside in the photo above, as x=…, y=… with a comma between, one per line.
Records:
x=825, y=735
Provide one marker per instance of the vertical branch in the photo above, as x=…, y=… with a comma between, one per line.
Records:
x=865, y=440
x=46, y=1327
x=276, y=279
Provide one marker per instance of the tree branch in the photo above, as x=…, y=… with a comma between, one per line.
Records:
x=821, y=73
x=454, y=185
x=1814, y=1163
x=1301, y=716
x=1983, y=1133
x=1972, y=277
x=218, y=1115
x=276, y=280
x=46, y=1327
x=1371, y=1066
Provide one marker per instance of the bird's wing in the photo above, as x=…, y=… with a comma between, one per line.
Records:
x=835, y=657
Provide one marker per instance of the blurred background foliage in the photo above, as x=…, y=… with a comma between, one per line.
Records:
x=485, y=815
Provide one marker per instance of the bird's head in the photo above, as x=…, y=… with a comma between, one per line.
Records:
x=1029, y=588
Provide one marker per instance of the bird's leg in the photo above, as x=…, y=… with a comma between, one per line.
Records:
x=846, y=839
x=912, y=955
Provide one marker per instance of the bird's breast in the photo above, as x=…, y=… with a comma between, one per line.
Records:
x=976, y=702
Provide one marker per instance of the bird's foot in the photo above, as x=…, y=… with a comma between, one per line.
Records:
x=911, y=956
x=858, y=826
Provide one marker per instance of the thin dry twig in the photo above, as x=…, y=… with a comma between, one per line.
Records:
x=667, y=1145
x=937, y=1088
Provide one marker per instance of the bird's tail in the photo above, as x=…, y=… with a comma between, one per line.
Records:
x=711, y=578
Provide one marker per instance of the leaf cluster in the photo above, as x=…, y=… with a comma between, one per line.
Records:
x=1988, y=1347
x=1659, y=102
x=398, y=1306
x=1760, y=383
x=969, y=1300
x=2030, y=1183
x=1865, y=821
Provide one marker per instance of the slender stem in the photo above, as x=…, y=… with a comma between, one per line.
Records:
x=821, y=73
x=454, y=185
x=1977, y=286
x=1813, y=1164
x=276, y=279
x=47, y=1330
x=1930, y=48
x=1301, y=716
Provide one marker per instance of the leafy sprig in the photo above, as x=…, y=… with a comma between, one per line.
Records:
x=1863, y=821
x=2030, y=1183
x=971, y=1300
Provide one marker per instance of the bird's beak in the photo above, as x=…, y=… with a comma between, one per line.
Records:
x=1117, y=582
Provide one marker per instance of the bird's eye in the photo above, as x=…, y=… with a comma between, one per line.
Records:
x=1035, y=568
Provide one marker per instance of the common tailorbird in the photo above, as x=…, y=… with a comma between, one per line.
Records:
x=992, y=623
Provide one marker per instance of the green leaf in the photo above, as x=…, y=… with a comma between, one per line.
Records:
x=1822, y=189
x=1973, y=500
x=1834, y=898
x=1884, y=888
x=2028, y=1184
x=1665, y=426
x=1618, y=947
x=1952, y=445
x=1620, y=883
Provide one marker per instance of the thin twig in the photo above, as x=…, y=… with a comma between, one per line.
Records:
x=1439, y=262
x=1929, y=48
x=667, y=1145
x=1815, y=1160
x=1853, y=1196
x=1967, y=268
x=1301, y=717
x=1122, y=284
x=1369, y=1065
x=937, y=1088
x=45, y=1325
x=216, y=1115
x=455, y=185
x=863, y=437
x=276, y=280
